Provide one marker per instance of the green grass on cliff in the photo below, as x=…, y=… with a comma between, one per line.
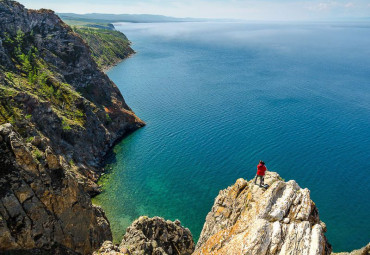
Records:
x=107, y=46
x=34, y=77
x=60, y=95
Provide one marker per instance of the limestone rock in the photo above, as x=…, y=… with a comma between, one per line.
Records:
x=108, y=248
x=247, y=219
x=44, y=209
x=152, y=236
x=51, y=159
x=157, y=236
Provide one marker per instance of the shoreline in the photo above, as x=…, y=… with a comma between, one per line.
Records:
x=107, y=68
x=109, y=151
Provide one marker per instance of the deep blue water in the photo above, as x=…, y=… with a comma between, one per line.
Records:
x=218, y=97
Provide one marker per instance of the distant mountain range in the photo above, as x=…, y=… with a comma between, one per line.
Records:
x=134, y=18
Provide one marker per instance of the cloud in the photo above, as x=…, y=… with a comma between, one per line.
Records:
x=349, y=5
x=330, y=5
x=322, y=6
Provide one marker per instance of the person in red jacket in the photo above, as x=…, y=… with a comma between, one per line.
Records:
x=261, y=169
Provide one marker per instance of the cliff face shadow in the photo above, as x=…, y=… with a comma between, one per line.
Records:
x=56, y=249
x=111, y=156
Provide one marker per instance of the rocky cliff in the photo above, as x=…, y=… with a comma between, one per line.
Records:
x=54, y=88
x=247, y=219
x=108, y=46
x=42, y=205
x=64, y=114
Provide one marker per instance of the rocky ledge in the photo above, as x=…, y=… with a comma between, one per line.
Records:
x=247, y=219
x=152, y=236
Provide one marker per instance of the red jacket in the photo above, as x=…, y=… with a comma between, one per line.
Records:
x=261, y=169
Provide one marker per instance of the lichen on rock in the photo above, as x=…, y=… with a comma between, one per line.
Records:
x=43, y=207
x=248, y=219
x=154, y=236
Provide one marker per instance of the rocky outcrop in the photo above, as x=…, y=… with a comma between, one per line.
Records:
x=247, y=219
x=363, y=251
x=153, y=236
x=42, y=206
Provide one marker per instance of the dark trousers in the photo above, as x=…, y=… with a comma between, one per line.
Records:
x=262, y=179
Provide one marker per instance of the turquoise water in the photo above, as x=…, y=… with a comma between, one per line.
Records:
x=218, y=97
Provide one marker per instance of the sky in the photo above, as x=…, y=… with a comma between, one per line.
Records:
x=235, y=9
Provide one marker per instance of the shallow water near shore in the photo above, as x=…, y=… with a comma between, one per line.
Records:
x=218, y=97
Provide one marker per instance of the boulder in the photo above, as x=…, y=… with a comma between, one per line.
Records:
x=152, y=236
x=51, y=159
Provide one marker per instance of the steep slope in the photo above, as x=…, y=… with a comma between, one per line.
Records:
x=42, y=205
x=65, y=114
x=108, y=46
x=246, y=219
x=51, y=88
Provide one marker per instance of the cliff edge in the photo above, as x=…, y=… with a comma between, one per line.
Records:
x=59, y=115
x=247, y=219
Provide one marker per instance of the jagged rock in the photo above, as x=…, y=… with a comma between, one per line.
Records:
x=247, y=219
x=108, y=248
x=363, y=251
x=52, y=159
x=157, y=236
x=153, y=236
x=42, y=208
x=22, y=154
x=36, y=141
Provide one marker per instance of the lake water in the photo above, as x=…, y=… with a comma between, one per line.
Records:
x=218, y=97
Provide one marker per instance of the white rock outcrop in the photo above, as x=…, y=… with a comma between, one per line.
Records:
x=248, y=219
